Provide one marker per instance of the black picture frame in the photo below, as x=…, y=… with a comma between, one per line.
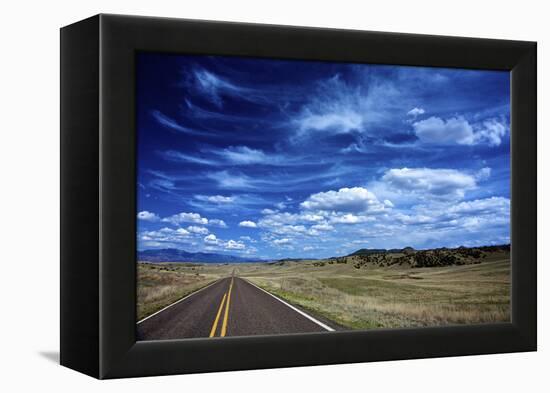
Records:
x=98, y=208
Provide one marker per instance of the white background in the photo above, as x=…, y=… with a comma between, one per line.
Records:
x=29, y=194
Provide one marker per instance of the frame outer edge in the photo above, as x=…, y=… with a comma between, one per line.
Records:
x=121, y=356
x=79, y=289
x=524, y=197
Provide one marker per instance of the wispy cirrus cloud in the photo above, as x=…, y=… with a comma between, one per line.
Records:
x=239, y=156
x=172, y=124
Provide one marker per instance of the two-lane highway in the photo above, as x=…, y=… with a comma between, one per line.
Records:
x=231, y=306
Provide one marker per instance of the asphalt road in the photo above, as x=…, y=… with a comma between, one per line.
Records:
x=230, y=307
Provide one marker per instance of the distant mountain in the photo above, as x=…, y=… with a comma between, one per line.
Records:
x=368, y=251
x=176, y=255
x=296, y=259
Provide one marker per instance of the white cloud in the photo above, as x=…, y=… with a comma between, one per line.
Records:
x=309, y=248
x=217, y=223
x=493, y=131
x=182, y=231
x=322, y=227
x=493, y=205
x=197, y=230
x=281, y=241
x=165, y=237
x=234, y=245
x=442, y=183
x=211, y=239
x=244, y=155
x=356, y=199
x=148, y=216
x=269, y=211
x=174, y=125
x=232, y=181
x=349, y=219
x=311, y=217
x=215, y=87
x=340, y=106
x=468, y=215
x=194, y=218
x=457, y=130
x=289, y=229
x=483, y=174
x=341, y=122
x=219, y=199
x=438, y=131
x=415, y=112
x=248, y=224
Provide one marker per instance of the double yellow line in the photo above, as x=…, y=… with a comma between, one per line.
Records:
x=227, y=296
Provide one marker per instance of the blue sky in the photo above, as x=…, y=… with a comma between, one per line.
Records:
x=272, y=158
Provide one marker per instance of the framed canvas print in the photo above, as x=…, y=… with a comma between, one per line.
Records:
x=239, y=196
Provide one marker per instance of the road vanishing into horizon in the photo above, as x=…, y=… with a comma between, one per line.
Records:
x=231, y=306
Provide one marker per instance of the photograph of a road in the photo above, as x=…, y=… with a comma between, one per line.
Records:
x=231, y=306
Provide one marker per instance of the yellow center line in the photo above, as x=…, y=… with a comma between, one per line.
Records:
x=215, y=325
x=225, y=317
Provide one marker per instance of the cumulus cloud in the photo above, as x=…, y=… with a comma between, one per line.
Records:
x=439, y=131
x=218, y=199
x=493, y=131
x=349, y=219
x=234, y=245
x=289, y=229
x=468, y=215
x=322, y=227
x=148, y=216
x=356, y=199
x=165, y=237
x=483, y=174
x=217, y=223
x=281, y=241
x=194, y=218
x=247, y=224
x=213, y=240
x=442, y=183
x=457, y=130
x=197, y=230
x=493, y=205
x=416, y=112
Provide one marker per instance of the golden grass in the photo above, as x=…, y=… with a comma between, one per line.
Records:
x=390, y=297
x=159, y=285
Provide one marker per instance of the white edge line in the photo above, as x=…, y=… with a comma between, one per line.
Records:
x=294, y=308
x=177, y=301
